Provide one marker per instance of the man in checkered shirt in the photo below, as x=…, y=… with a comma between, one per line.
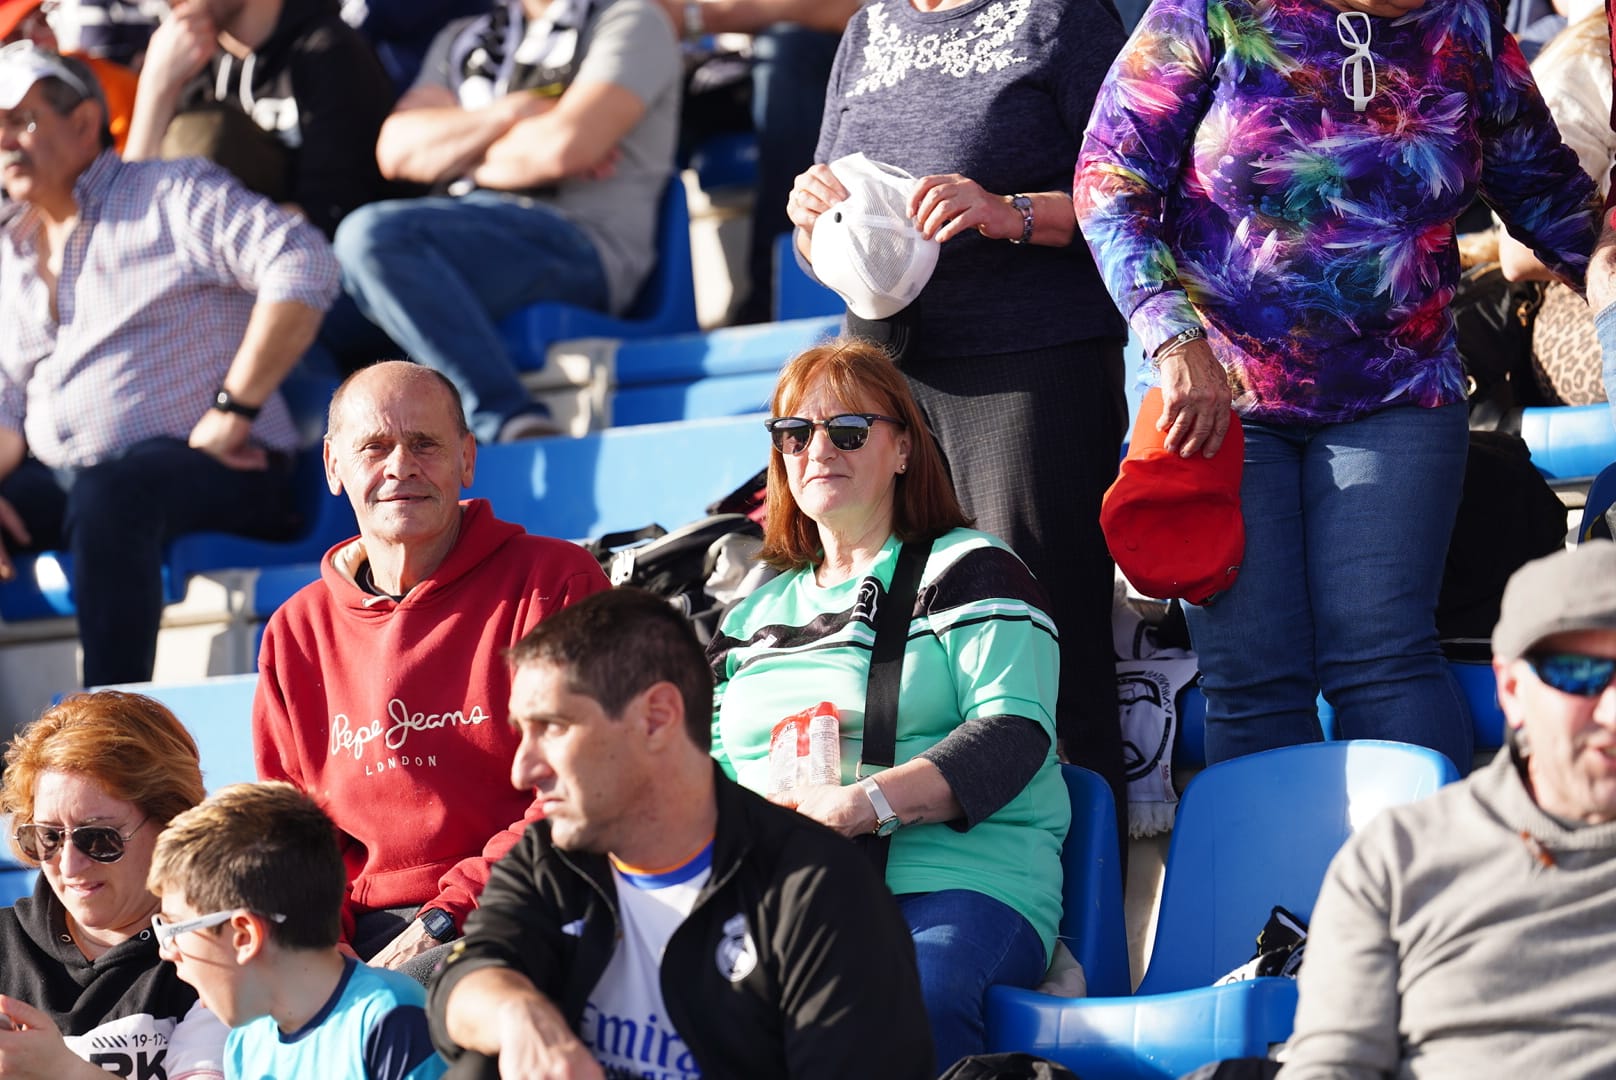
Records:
x=151, y=310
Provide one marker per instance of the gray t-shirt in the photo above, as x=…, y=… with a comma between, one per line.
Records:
x=628, y=43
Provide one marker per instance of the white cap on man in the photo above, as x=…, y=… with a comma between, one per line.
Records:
x=22, y=64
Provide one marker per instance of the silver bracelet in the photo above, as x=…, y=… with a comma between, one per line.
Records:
x=1023, y=203
x=1178, y=340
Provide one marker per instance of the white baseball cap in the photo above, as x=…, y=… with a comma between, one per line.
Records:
x=867, y=247
x=22, y=64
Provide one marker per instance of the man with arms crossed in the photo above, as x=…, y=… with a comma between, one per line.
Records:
x=662, y=921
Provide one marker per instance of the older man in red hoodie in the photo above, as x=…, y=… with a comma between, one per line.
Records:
x=384, y=685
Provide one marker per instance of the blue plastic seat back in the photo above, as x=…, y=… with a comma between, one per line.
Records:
x=796, y=295
x=16, y=882
x=218, y=714
x=41, y=588
x=327, y=520
x=1258, y=831
x=1091, y=889
x=728, y=159
x=1480, y=688
x=1189, y=747
x=621, y=478
x=725, y=372
x=1569, y=441
x=666, y=303
x=1601, y=494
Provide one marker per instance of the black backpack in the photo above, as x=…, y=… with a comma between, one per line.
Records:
x=701, y=568
x=1508, y=516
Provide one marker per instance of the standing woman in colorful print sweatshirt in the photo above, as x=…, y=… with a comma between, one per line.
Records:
x=1269, y=188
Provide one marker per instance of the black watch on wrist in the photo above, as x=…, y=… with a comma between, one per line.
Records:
x=439, y=924
x=224, y=401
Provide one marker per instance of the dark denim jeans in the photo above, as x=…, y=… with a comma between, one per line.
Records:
x=438, y=273
x=966, y=942
x=115, y=518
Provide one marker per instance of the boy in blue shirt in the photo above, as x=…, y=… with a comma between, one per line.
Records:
x=251, y=886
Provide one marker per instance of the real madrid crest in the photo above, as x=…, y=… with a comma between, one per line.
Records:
x=736, y=955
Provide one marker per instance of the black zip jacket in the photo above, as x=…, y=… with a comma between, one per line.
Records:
x=315, y=86
x=794, y=962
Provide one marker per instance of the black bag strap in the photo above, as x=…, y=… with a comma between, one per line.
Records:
x=880, y=743
x=602, y=546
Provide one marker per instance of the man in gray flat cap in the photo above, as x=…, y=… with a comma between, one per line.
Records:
x=1474, y=933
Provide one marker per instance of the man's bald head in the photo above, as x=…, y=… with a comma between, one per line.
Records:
x=394, y=373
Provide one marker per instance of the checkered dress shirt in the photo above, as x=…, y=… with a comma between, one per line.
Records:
x=157, y=284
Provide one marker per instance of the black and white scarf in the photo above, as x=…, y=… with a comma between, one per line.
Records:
x=505, y=52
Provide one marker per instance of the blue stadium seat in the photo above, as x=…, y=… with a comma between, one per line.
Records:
x=796, y=295
x=1601, y=495
x=726, y=160
x=721, y=372
x=16, y=878
x=1480, y=690
x=666, y=303
x=40, y=589
x=1569, y=441
x=328, y=519
x=620, y=478
x=725, y=395
x=576, y=488
x=276, y=584
x=1092, y=924
x=1252, y=833
x=218, y=714
x=1190, y=749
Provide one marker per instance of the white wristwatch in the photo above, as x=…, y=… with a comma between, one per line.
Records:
x=886, y=822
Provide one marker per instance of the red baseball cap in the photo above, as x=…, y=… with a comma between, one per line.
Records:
x=1173, y=523
x=13, y=12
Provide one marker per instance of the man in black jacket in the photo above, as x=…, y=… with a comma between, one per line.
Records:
x=662, y=921
x=282, y=93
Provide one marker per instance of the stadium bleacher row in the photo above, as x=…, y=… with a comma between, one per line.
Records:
x=666, y=420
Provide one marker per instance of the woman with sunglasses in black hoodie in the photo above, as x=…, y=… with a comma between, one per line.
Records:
x=89, y=785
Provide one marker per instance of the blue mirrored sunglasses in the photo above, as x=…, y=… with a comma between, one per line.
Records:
x=1573, y=673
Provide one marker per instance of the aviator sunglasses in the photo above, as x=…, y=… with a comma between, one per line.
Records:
x=1573, y=673
x=102, y=843
x=849, y=431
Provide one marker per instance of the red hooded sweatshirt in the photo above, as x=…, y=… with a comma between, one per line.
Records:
x=392, y=714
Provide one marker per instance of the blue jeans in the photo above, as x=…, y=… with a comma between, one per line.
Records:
x=966, y=942
x=115, y=518
x=1605, y=328
x=437, y=274
x=1347, y=529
